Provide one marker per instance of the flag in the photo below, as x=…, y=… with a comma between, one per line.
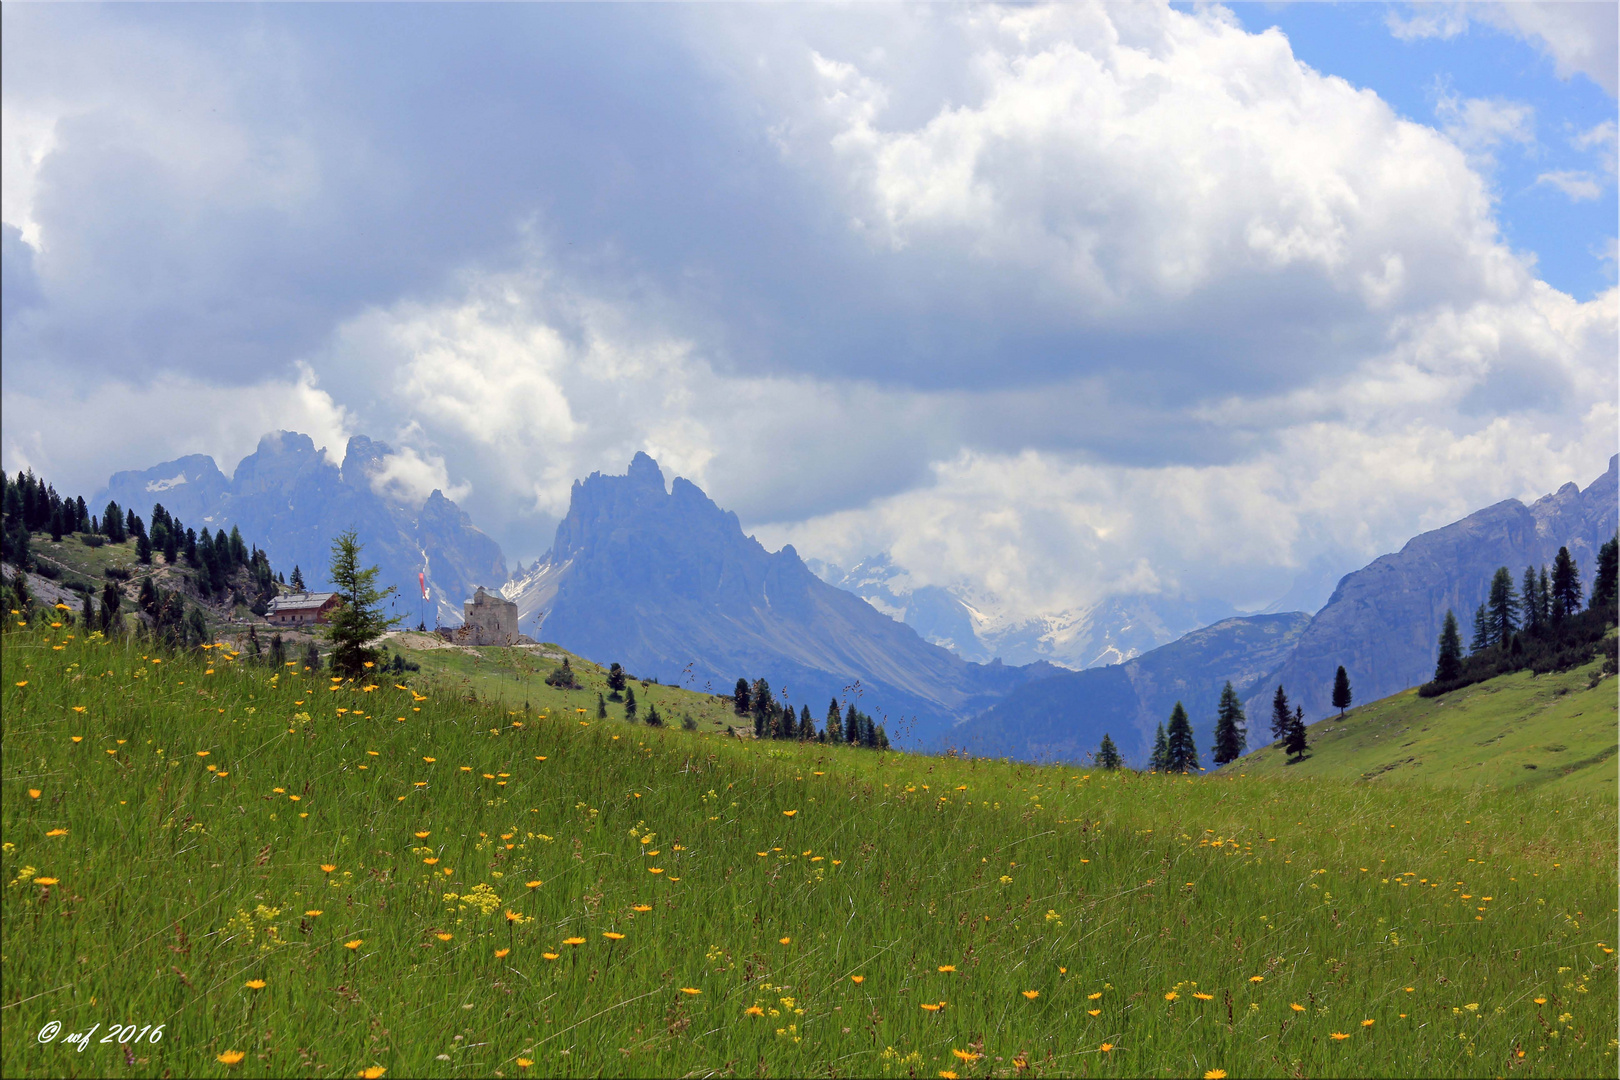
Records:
x=421, y=579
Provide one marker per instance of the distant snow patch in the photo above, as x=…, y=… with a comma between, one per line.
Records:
x=164, y=485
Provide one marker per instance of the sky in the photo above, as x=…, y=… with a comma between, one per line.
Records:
x=1052, y=304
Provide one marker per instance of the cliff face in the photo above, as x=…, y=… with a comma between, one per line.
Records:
x=667, y=584
x=1064, y=717
x=290, y=500
x=1383, y=621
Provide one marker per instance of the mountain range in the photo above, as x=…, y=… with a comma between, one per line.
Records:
x=291, y=500
x=1382, y=623
x=660, y=579
x=981, y=627
x=666, y=583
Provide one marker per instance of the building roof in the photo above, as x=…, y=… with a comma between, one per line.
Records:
x=301, y=601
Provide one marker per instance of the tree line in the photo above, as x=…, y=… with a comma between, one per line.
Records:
x=1174, y=750
x=777, y=720
x=1539, y=625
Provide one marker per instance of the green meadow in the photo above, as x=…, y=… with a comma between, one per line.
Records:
x=419, y=876
x=1515, y=731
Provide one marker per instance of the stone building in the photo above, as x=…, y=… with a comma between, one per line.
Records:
x=487, y=619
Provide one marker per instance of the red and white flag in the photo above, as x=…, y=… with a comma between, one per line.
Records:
x=421, y=578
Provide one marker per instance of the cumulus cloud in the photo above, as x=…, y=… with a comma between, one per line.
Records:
x=1577, y=184
x=1052, y=303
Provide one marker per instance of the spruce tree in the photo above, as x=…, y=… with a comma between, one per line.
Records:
x=112, y=523
x=1566, y=587
x=111, y=601
x=296, y=582
x=1502, y=608
x=143, y=550
x=653, y=719
x=359, y=619
x=1449, y=663
x=312, y=657
x=1108, y=754
x=1603, y=585
x=1181, y=756
x=1341, y=691
x=630, y=703
x=1281, y=716
x=88, y=614
x=1294, y=743
x=852, y=726
x=616, y=681
x=278, y=652
x=1230, y=738
x=1159, y=760
x=760, y=701
x=807, y=726
x=760, y=719
x=834, y=727
x=739, y=698
x=1530, y=602
x=1482, y=631
x=880, y=738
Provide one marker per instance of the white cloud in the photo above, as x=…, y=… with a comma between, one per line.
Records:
x=120, y=425
x=1578, y=37
x=1480, y=125
x=1577, y=184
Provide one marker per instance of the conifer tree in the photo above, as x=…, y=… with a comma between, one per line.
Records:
x=1341, y=691
x=143, y=550
x=1482, y=631
x=760, y=722
x=1281, y=716
x=1603, y=585
x=312, y=657
x=834, y=727
x=760, y=701
x=616, y=681
x=1566, y=587
x=112, y=523
x=1449, y=663
x=807, y=726
x=88, y=614
x=253, y=641
x=739, y=698
x=278, y=652
x=1181, y=756
x=359, y=619
x=1294, y=743
x=1159, y=760
x=1230, y=738
x=852, y=726
x=1108, y=754
x=880, y=738
x=1530, y=600
x=630, y=703
x=111, y=600
x=601, y=706
x=1502, y=607
x=653, y=719
x=297, y=580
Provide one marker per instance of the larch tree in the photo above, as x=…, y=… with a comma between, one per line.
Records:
x=358, y=620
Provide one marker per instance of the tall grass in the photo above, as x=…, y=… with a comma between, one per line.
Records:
x=816, y=899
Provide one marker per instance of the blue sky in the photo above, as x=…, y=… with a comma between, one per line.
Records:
x=1415, y=75
x=1052, y=304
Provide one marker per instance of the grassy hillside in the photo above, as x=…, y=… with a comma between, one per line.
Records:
x=1519, y=731
x=515, y=678
x=300, y=877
